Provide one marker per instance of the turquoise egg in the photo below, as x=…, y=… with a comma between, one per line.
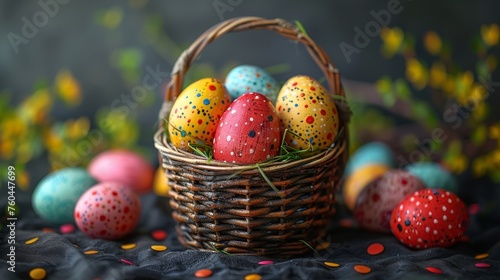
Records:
x=249, y=78
x=370, y=153
x=55, y=196
x=433, y=175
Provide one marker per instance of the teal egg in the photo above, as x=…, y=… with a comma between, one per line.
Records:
x=370, y=153
x=249, y=78
x=433, y=175
x=55, y=196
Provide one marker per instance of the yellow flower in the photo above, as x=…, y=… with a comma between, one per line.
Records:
x=480, y=111
x=68, y=88
x=76, y=128
x=458, y=164
x=35, y=108
x=112, y=17
x=13, y=127
x=490, y=34
x=491, y=62
x=53, y=142
x=432, y=42
x=23, y=180
x=416, y=73
x=463, y=86
x=479, y=167
x=478, y=94
x=494, y=132
x=392, y=39
x=449, y=86
x=438, y=75
x=495, y=156
x=7, y=148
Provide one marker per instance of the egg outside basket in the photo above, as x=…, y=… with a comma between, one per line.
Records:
x=231, y=208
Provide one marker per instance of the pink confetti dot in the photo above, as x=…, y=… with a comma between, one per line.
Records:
x=266, y=262
x=127, y=262
x=434, y=270
x=482, y=265
x=67, y=228
x=474, y=209
x=159, y=235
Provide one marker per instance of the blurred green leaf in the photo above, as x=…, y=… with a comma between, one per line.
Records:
x=479, y=134
x=402, y=89
x=423, y=111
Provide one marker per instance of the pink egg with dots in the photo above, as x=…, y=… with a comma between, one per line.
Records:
x=108, y=210
x=249, y=131
x=377, y=200
x=126, y=167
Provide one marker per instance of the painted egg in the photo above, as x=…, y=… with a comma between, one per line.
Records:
x=370, y=153
x=375, y=203
x=55, y=196
x=434, y=175
x=196, y=113
x=249, y=78
x=430, y=218
x=126, y=167
x=108, y=210
x=358, y=180
x=307, y=110
x=249, y=131
x=160, y=185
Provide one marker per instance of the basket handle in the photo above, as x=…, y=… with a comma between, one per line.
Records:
x=280, y=26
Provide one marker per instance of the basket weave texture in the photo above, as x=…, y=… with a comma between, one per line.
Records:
x=231, y=208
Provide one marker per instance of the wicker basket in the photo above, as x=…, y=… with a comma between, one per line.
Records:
x=231, y=208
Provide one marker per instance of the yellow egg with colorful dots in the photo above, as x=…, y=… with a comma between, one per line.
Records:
x=309, y=112
x=196, y=112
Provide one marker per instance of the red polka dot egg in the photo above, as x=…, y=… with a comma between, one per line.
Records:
x=377, y=200
x=307, y=109
x=196, y=112
x=249, y=131
x=430, y=218
x=108, y=211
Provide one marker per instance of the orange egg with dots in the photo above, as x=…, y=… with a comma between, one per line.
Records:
x=309, y=113
x=358, y=180
x=196, y=112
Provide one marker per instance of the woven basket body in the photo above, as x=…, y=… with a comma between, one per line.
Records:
x=231, y=208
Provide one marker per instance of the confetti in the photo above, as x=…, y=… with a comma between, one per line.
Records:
x=126, y=262
x=38, y=273
x=91, y=252
x=159, y=235
x=265, y=262
x=253, y=276
x=203, y=273
x=67, y=228
x=482, y=265
x=375, y=249
x=481, y=256
x=474, y=209
x=331, y=264
x=158, y=248
x=363, y=269
x=434, y=270
x=31, y=241
x=128, y=246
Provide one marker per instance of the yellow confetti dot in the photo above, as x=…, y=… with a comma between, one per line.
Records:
x=331, y=264
x=38, y=273
x=482, y=256
x=91, y=252
x=253, y=276
x=128, y=246
x=32, y=240
x=159, y=248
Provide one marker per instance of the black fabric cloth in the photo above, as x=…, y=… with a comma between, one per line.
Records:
x=61, y=255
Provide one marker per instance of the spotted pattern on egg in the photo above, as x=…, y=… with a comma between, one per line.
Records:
x=249, y=78
x=196, y=113
x=249, y=131
x=307, y=109
x=377, y=200
x=108, y=211
x=430, y=218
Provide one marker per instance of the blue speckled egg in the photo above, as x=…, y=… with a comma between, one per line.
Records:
x=55, y=196
x=247, y=78
x=370, y=153
x=433, y=175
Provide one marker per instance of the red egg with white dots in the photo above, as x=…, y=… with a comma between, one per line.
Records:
x=377, y=200
x=108, y=210
x=249, y=131
x=430, y=218
x=309, y=112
